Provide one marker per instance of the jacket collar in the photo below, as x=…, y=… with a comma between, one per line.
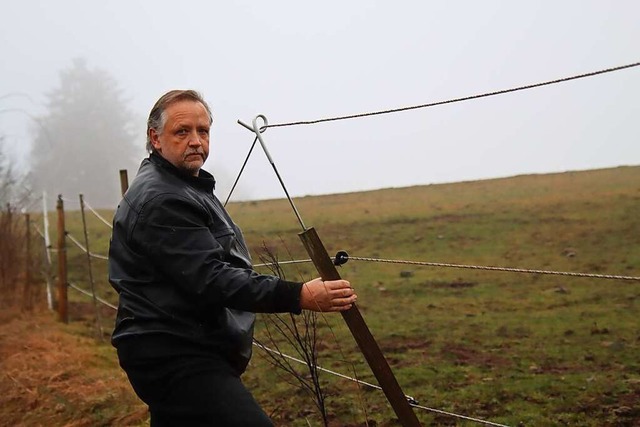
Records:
x=204, y=180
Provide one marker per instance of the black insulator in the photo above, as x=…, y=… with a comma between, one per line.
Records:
x=341, y=258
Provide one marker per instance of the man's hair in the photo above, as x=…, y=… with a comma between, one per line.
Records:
x=157, y=116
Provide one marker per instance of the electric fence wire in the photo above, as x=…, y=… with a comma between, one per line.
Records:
x=412, y=401
x=107, y=223
x=83, y=249
x=89, y=294
x=454, y=100
x=294, y=261
x=474, y=267
x=506, y=269
x=244, y=164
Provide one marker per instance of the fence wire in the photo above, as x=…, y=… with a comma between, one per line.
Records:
x=83, y=249
x=89, y=294
x=473, y=267
x=412, y=401
x=451, y=101
x=100, y=217
x=506, y=269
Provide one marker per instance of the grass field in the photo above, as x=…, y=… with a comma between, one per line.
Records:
x=511, y=348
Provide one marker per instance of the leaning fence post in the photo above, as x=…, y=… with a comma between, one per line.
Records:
x=93, y=287
x=63, y=312
x=124, y=181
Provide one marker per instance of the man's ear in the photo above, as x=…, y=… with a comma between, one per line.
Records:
x=154, y=138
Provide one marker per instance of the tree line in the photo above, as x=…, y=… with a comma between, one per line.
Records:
x=85, y=136
x=81, y=141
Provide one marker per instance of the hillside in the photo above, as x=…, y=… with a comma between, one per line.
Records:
x=512, y=348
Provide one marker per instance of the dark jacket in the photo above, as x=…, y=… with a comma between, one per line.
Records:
x=182, y=269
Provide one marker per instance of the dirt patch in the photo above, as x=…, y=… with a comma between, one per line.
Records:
x=459, y=284
x=623, y=411
x=463, y=355
x=402, y=345
x=51, y=375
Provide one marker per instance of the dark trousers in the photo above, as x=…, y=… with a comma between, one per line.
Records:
x=193, y=391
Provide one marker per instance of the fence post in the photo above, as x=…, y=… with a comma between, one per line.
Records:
x=63, y=312
x=362, y=335
x=124, y=181
x=27, y=298
x=47, y=249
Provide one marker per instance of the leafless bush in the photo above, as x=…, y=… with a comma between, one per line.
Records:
x=299, y=333
x=13, y=244
x=11, y=255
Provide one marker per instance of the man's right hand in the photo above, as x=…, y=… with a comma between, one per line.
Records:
x=330, y=295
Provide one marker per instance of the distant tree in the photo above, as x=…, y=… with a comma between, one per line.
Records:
x=85, y=138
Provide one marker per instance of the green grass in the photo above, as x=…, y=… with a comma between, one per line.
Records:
x=517, y=349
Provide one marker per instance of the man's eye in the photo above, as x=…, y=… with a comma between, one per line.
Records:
x=203, y=131
x=181, y=132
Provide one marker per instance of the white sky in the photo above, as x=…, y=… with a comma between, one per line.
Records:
x=297, y=60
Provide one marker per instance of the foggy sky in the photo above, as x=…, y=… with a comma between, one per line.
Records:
x=296, y=60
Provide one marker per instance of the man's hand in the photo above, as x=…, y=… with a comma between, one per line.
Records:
x=330, y=295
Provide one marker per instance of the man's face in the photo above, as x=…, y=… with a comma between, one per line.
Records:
x=184, y=139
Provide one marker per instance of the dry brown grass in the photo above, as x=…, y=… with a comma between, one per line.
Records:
x=12, y=243
x=53, y=376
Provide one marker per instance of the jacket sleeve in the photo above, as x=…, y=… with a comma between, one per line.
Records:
x=176, y=236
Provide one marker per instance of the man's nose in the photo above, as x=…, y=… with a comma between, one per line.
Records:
x=195, y=139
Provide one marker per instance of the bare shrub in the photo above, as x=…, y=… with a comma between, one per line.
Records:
x=11, y=258
x=299, y=333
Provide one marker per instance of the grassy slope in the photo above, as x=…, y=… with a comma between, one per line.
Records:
x=541, y=350
x=55, y=375
x=508, y=347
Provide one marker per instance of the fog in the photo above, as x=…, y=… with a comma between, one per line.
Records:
x=296, y=61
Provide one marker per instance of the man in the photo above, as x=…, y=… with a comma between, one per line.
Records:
x=187, y=291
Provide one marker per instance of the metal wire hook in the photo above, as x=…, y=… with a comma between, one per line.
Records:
x=262, y=129
x=259, y=131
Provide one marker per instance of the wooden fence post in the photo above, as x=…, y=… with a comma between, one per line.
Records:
x=360, y=331
x=63, y=312
x=124, y=181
